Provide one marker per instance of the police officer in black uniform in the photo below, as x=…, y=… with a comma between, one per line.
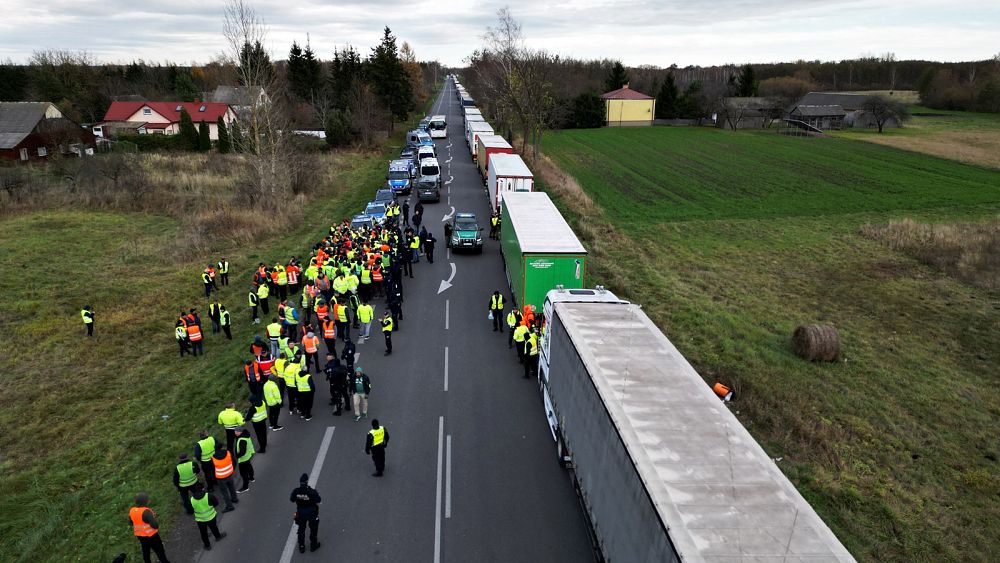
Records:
x=307, y=501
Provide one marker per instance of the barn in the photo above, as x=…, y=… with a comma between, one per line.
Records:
x=33, y=131
x=852, y=105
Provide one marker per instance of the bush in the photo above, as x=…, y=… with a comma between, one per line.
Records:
x=338, y=129
x=155, y=142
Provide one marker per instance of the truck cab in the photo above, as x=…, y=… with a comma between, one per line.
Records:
x=399, y=177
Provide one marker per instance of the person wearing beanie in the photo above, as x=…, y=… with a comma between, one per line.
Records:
x=311, y=344
x=185, y=478
x=223, y=466
x=146, y=528
x=203, y=506
x=307, y=502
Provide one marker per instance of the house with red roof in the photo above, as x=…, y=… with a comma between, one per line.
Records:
x=625, y=107
x=164, y=118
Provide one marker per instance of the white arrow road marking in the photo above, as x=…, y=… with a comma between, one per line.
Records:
x=448, y=161
x=445, y=284
x=450, y=180
x=448, y=216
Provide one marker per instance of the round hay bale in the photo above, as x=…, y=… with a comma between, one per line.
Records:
x=816, y=343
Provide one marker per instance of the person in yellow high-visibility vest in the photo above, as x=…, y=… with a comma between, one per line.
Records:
x=375, y=443
x=87, y=314
x=496, y=310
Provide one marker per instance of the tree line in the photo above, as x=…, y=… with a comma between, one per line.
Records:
x=567, y=90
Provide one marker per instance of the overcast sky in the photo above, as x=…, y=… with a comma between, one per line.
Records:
x=636, y=31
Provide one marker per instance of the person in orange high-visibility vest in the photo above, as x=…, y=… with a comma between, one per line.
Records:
x=146, y=528
x=223, y=463
x=311, y=344
x=330, y=336
x=195, y=339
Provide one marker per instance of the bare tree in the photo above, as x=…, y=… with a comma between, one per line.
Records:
x=263, y=126
x=515, y=81
x=367, y=113
x=884, y=111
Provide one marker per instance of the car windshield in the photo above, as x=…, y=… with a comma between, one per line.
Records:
x=430, y=170
x=383, y=196
x=426, y=184
x=465, y=225
x=424, y=138
x=375, y=209
x=399, y=175
x=438, y=125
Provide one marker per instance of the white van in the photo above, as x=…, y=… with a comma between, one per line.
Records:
x=438, y=127
x=424, y=152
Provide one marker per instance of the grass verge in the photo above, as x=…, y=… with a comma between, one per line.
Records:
x=89, y=422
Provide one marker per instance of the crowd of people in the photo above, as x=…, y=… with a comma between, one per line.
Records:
x=320, y=303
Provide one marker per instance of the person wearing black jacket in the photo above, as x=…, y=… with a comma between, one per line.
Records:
x=347, y=354
x=428, y=242
x=307, y=502
x=208, y=520
x=191, y=471
x=375, y=443
x=336, y=375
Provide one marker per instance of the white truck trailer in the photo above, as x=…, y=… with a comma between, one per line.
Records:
x=664, y=470
x=507, y=173
x=473, y=130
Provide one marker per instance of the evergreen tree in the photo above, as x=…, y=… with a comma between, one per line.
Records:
x=294, y=69
x=617, y=78
x=588, y=111
x=345, y=69
x=388, y=78
x=667, y=98
x=224, y=144
x=338, y=128
x=746, y=83
x=184, y=87
x=690, y=105
x=235, y=137
x=312, y=74
x=188, y=133
x=204, y=141
x=254, y=60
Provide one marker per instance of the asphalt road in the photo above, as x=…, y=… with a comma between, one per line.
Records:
x=471, y=471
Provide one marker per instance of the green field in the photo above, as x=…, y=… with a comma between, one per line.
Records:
x=88, y=423
x=730, y=240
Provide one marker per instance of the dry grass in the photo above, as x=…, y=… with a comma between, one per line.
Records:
x=201, y=190
x=982, y=147
x=967, y=251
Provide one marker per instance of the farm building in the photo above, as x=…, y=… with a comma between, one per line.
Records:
x=625, y=107
x=746, y=112
x=38, y=130
x=820, y=117
x=850, y=104
x=163, y=117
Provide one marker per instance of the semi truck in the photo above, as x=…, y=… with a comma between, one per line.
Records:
x=665, y=472
x=474, y=130
x=487, y=146
x=507, y=173
x=540, y=250
x=469, y=112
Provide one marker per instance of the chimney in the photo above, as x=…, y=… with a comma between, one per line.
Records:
x=625, y=86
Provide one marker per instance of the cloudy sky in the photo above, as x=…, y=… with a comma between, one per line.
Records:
x=636, y=31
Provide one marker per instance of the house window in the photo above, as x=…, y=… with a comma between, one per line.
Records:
x=179, y=108
x=202, y=109
x=147, y=111
x=24, y=154
x=42, y=151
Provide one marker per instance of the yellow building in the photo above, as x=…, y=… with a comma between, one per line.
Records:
x=625, y=107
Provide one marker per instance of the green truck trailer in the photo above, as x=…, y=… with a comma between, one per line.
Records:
x=539, y=248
